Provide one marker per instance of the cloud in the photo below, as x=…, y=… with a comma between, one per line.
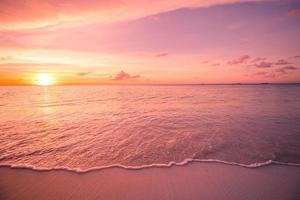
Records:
x=290, y=67
x=161, y=55
x=294, y=13
x=5, y=58
x=239, y=60
x=215, y=64
x=286, y=69
x=28, y=14
x=18, y=65
x=154, y=17
x=261, y=73
x=294, y=57
x=83, y=73
x=263, y=65
x=282, y=62
x=279, y=71
x=265, y=74
x=258, y=59
x=270, y=75
x=124, y=76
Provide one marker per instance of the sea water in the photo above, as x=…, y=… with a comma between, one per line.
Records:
x=87, y=127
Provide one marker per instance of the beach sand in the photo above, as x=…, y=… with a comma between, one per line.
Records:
x=192, y=181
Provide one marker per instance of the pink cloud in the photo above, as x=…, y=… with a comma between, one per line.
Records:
x=27, y=14
x=154, y=17
x=282, y=62
x=294, y=13
x=270, y=75
x=261, y=73
x=286, y=69
x=294, y=57
x=258, y=59
x=263, y=65
x=239, y=60
x=215, y=64
x=123, y=76
x=161, y=55
x=265, y=74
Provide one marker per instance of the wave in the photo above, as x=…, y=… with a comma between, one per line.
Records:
x=170, y=164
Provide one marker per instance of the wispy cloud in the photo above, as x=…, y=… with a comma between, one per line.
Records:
x=286, y=69
x=265, y=74
x=282, y=62
x=5, y=58
x=154, y=17
x=263, y=65
x=258, y=59
x=32, y=65
x=294, y=57
x=161, y=55
x=20, y=14
x=123, y=76
x=260, y=73
x=83, y=73
x=277, y=72
x=239, y=60
x=215, y=64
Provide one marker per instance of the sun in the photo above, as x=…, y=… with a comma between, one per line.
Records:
x=45, y=79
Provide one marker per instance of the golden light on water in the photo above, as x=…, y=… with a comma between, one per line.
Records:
x=45, y=79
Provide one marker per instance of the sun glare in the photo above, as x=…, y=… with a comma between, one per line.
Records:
x=45, y=79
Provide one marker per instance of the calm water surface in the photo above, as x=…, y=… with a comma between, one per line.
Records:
x=82, y=127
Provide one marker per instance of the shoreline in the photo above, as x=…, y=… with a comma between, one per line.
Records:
x=206, y=180
x=141, y=167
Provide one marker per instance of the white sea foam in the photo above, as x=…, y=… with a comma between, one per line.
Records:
x=171, y=164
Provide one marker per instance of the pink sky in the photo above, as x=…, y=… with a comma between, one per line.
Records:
x=132, y=41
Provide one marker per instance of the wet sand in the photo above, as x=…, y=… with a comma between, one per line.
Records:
x=192, y=181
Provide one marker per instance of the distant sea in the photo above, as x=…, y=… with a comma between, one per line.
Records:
x=87, y=127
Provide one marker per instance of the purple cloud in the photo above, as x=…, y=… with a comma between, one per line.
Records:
x=294, y=13
x=263, y=65
x=258, y=59
x=290, y=67
x=123, y=76
x=239, y=60
x=265, y=74
x=286, y=69
x=294, y=57
x=282, y=62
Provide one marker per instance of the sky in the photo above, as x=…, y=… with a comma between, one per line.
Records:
x=149, y=42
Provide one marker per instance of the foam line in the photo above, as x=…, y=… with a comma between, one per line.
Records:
x=170, y=164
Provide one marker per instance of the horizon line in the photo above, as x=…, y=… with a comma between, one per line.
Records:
x=157, y=84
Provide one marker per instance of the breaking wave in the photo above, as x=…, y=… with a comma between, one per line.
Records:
x=170, y=164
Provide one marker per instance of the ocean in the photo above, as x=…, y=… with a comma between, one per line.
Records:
x=86, y=127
